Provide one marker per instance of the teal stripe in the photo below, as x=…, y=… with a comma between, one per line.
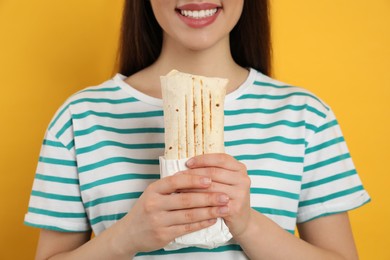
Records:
x=122, y=177
x=55, y=196
x=329, y=179
x=275, y=97
x=47, y=227
x=58, y=144
x=52, y=143
x=326, y=162
x=265, y=126
x=86, y=90
x=325, y=145
x=274, y=174
x=118, y=116
x=331, y=196
x=117, y=160
x=56, y=214
x=267, y=84
x=118, y=144
x=316, y=111
x=118, y=130
x=277, y=212
x=266, y=140
x=291, y=231
x=117, y=197
x=104, y=100
x=57, y=161
x=311, y=127
x=58, y=116
x=274, y=156
x=112, y=89
x=65, y=127
x=56, y=179
x=337, y=212
x=275, y=110
x=327, y=125
x=280, y=97
x=70, y=145
x=273, y=192
x=193, y=250
x=113, y=217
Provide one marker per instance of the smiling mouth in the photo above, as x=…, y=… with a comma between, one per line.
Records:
x=198, y=14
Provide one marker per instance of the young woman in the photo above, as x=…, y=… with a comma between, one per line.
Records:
x=286, y=161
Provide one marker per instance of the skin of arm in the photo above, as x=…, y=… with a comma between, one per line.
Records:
x=327, y=237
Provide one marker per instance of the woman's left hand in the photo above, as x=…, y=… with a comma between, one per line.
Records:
x=228, y=176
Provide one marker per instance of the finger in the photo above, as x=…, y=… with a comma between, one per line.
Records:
x=180, y=230
x=188, y=216
x=193, y=200
x=216, y=174
x=215, y=187
x=220, y=160
x=173, y=183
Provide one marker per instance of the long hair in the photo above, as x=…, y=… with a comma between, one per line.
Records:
x=141, y=37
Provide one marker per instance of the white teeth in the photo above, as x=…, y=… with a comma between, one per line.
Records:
x=198, y=14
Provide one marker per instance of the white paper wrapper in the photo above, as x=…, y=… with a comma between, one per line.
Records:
x=211, y=237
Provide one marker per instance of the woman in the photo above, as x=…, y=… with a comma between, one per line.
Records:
x=286, y=161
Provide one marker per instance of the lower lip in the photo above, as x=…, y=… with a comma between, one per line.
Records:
x=200, y=22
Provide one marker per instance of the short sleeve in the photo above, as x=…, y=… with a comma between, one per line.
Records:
x=330, y=183
x=55, y=201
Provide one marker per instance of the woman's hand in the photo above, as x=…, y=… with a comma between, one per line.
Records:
x=160, y=215
x=228, y=176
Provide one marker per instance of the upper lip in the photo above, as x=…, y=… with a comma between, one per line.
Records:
x=198, y=6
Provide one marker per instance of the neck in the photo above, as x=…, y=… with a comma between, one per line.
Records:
x=214, y=61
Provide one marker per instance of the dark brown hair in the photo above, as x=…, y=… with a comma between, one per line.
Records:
x=141, y=37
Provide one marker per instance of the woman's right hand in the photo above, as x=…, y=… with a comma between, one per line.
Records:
x=160, y=214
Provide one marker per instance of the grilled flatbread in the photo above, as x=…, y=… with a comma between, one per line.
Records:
x=193, y=114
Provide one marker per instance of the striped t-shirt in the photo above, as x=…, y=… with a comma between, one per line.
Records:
x=101, y=151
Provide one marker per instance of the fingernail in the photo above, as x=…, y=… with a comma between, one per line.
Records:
x=190, y=162
x=223, y=210
x=212, y=220
x=223, y=198
x=206, y=180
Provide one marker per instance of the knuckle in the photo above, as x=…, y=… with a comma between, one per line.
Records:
x=246, y=180
x=154, y=220
x=185, y=200
x=160, y=236
x=149, y=207
x=205, y=224
x=188, y=228
x=212, y=187
x=242, y=166
x=189, y=216
x=202, y=224
x=212, y=212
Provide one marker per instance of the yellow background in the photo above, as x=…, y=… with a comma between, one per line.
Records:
x=340, y=50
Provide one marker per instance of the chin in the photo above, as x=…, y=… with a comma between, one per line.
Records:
x=205, y=43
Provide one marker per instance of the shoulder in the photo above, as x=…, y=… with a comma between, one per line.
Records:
x=108, y=92
x=286, y=90
x=277, y=93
